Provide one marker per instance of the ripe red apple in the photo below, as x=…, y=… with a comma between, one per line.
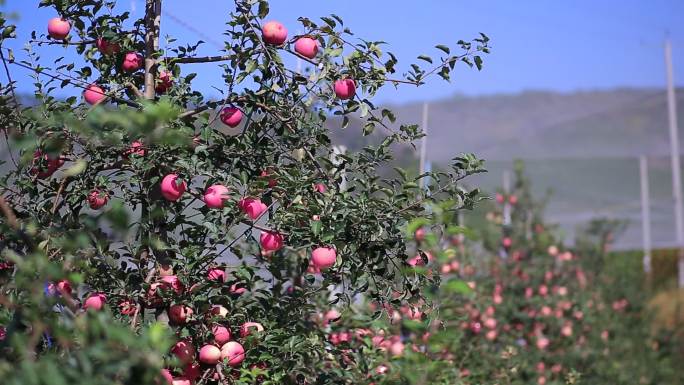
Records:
x=320, y=187
x=210, y=355
x=172, y=188
x=94, y=94
x=97, y=199
x=418, y=260
x=345, y=88
x=233, y=352
x=216, y=275
x=543, y=290
x=221, y=334
x=513, y=199
x=107, y=48
x=52, y=164
x=184, y=350
x=507, y=242
x=499, y=198
x=127, y=307
x=58, y=28
x=173, y=282
x=59, y=288
x=192, y=371
x=137, y=148
x=272, y=182
x=132, y=62
x=396, y=349
x=166, y=375
x=182, y=381
x=330, y=316
x=323, y=257
x=419, y=235
x=179, y=314
x=95, y=301
x=542, y=343
x=164, y=82
x=231, y=116
x=274, y=33
x=216, y=196
x=252, y=207
x=271, y=240
x=246, y=327
x=236, y=289
x=306, y=47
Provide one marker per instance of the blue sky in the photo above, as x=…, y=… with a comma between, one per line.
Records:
x=537, y=44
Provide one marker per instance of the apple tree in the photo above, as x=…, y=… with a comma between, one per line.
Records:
x=146, y=226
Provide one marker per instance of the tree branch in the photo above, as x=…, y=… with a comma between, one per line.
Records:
x=152, y=22
x=198, y=59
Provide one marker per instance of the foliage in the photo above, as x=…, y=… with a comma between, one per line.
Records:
x=88, y=216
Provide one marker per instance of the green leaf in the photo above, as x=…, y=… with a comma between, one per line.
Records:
x=478, y=62
x=426, y=58
x=457, y=286
x=443, y=48
x=315, y=226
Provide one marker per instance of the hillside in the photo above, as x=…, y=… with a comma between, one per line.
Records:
x=539, y=124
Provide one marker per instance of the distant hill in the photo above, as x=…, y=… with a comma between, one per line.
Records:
x=542, y=124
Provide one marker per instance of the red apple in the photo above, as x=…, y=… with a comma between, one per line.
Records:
x=306, y=47
x=246, y=327
x=235, y=289
x=231, y=116
x=500, y=198
x=320, y=187
x=58, y=28
x=221, y=334
x=97, y=199
x=132, y=62
x=330, y=316
x=216, y=275
x=127, y=307
x=210, y=355
x=323, y=257
x=271, y=240
x=252, y=207
x=52, y=163
x=233, y=352
x=164, y=82
x=274, y=33
x=542, y=343
x=137, y=148
x=166, y=375
x=396, y=349
x=184, y=350
x=94, y=94
x=95, y=301
x=216, y=196
x=513, y=199
x=107, y=48
x=182, y=381
x=345, y=88
x=172, y=188
x=192, y=371
x=507, y=242
x=174, y=283
x=420, y=234
x=179, y=314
